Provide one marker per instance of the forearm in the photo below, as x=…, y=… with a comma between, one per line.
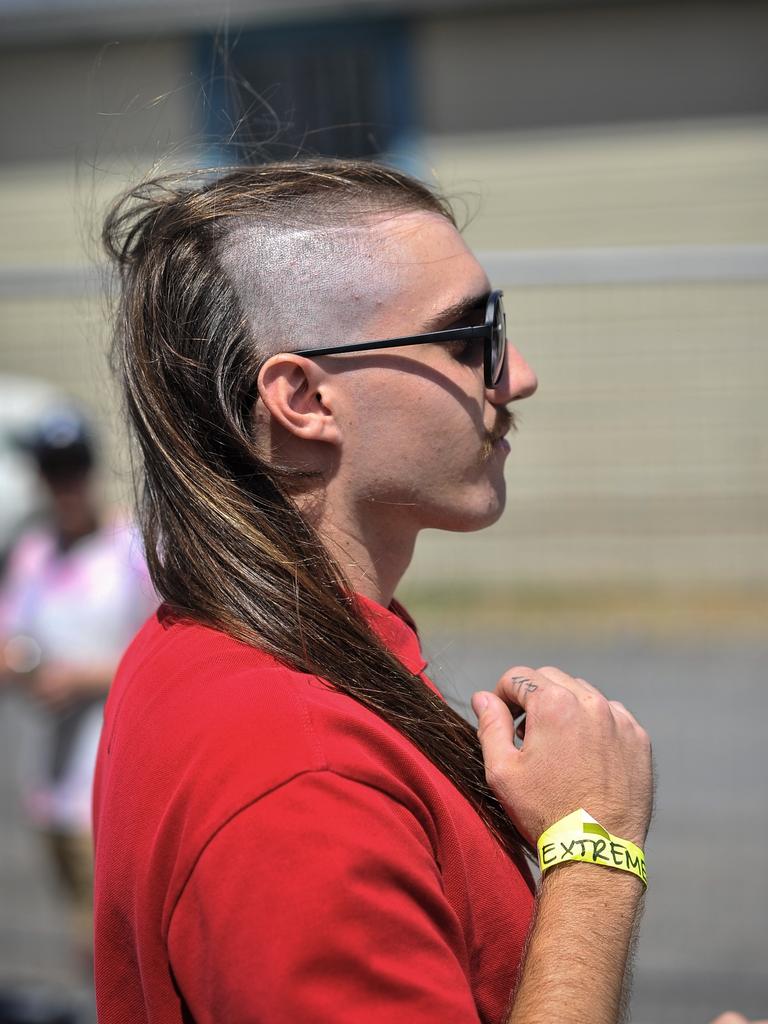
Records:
x=579, y=948
x=95, y=679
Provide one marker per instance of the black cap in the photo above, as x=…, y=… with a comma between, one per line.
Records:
x=61, y=444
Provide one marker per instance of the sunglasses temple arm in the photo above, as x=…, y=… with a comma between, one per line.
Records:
x=418, y=339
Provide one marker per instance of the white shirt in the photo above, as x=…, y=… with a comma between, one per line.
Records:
x=80, y=606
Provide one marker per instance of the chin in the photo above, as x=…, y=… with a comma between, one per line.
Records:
x=470, y=518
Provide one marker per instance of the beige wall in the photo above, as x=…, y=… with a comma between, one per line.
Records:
x=699, y=182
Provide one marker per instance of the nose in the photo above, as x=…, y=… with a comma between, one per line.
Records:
x=517, y=380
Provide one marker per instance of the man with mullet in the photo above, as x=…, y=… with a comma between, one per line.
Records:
x=292, y=825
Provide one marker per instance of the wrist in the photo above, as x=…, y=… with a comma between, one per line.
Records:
x=576, y=879
x=633, y=832
x=580, y=837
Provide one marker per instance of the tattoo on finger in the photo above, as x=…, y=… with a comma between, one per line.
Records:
x=527, y=685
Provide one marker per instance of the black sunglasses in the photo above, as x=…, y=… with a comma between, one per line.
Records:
x=493, y=332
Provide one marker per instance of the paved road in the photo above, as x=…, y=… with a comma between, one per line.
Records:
x=704, y=942
x=704, y=945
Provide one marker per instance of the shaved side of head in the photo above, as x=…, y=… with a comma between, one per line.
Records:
x=309, y=286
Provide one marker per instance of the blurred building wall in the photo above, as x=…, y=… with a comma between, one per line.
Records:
x=79, y=121
x=614, y=159
x=643, y=455
x=592, y=64
x=633, y=175
x=79, y=102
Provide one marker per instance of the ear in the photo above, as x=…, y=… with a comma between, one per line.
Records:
x=300, y=397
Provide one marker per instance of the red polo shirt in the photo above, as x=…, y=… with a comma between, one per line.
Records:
x=268, y=850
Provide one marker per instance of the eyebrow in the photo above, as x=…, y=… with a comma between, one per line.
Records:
x=451, y=314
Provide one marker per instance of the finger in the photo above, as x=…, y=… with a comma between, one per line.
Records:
x=585, y=683
x=620, y=708
x=517, y=685
x=575, y=684
x=622, y=713
x=495, y=728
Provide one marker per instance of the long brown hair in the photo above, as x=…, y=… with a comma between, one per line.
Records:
x=225, y=542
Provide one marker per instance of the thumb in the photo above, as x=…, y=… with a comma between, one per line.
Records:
x=495, y=728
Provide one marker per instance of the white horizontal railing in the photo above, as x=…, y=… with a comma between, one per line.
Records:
x=524, y=267
x=52, y=281
x=630, y=265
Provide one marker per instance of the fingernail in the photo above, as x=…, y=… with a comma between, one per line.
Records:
x=479, y=703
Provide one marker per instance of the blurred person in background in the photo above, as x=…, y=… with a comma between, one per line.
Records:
x=74, y=592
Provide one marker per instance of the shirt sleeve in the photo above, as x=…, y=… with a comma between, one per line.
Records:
x=322, y=901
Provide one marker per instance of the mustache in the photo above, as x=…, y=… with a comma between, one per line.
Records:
x=506, y=421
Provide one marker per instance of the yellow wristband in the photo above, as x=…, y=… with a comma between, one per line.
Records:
x=578, y=836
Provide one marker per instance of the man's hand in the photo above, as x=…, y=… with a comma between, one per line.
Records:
x=580, y=750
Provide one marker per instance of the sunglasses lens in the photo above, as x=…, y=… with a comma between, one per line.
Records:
x=498, y=341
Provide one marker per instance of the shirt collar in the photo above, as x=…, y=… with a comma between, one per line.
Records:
x=396, y=629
